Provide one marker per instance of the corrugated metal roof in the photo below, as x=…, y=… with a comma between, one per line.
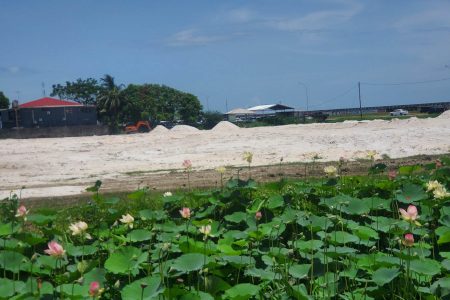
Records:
x=240, y=111
x=48, y=102
x=270, y=107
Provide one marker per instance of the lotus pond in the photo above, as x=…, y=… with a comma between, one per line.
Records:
x=380, y=236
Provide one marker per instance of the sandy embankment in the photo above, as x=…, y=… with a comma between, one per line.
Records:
x=65, y=166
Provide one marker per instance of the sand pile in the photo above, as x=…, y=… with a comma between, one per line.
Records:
x=184, y=129
x=445, y=115
x=159, y=130
x=225, y=126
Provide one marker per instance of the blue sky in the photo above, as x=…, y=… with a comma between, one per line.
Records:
x=243, y=52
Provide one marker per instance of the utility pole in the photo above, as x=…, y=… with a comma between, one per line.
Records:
x=307, y=95
x=360, y=106
x=226, y=105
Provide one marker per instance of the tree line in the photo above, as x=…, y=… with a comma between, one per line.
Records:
x=118, y=104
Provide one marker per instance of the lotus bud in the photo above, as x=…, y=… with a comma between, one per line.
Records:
x=82, y=266
x=408, y=240
x=166, y=246
x=34, y=257
x=144, y=285
x=117, y=284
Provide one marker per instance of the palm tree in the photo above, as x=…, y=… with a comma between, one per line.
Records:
x=110, y=99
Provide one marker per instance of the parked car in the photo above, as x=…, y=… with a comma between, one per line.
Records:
x=399, y=112
x=167, y=124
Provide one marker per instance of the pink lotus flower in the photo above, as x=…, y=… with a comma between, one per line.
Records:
x=55, y=249
x=94, y=289
x=258, y=215
x=408, y=241
x=187, y=164
x=392, y=174
x=410, y=214
x=22, y=212
x=185, y=212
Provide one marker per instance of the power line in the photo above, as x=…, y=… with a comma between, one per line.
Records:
x=407, y=83
x=336, y=97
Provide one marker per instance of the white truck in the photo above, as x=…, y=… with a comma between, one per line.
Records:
x=399, y=112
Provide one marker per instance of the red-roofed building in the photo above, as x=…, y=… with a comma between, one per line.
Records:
x=48, y=102
x=49, y=112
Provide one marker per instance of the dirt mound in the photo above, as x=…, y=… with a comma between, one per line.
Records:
x=445, y=115
x=184, y=129
x=159, y=130
x=225, y=126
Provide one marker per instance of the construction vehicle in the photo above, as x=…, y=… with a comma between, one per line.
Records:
x=140, y=126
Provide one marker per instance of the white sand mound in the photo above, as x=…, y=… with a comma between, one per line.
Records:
x=225, y=126
x=184, y=129
x=159, y=130
x=445, y=115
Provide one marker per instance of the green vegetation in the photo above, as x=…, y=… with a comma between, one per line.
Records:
x=83, y=91
x=117, y=104
x=161, y=102
x=378, y=116
x=381, y=236
x=4, y=101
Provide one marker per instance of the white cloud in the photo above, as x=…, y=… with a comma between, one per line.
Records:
x=11, y=70
x=190, y=37
x=319, y=20
x=241, y=15
x=14, y=69
x=432, y=19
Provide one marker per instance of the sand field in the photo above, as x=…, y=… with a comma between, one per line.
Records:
x=66, y=166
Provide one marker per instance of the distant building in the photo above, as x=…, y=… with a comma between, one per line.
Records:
x=48, y=112
x=239, y=114
x=258, y=112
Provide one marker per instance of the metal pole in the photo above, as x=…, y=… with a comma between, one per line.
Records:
x=17, y=119
x=307, y=95
x=360, y=106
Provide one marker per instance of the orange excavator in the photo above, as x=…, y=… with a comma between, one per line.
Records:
x=140, y=126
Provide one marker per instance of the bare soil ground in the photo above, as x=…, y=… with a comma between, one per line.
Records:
x=177, y=180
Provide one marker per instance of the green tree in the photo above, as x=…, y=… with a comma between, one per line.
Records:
x=161, y=102
x=83, y=91
x=211, y=118
x=110, y=100
x=4, y=101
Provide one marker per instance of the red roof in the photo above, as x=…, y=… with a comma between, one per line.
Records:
x=48, y=102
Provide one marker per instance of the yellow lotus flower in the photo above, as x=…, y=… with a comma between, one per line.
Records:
x=371, y=154
x=206, y=230
x=440, y=192
x=78, y=227
x=247, y=156
x=128, y=220
x=331, y=171
x=432, y=185
x=221, y=170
